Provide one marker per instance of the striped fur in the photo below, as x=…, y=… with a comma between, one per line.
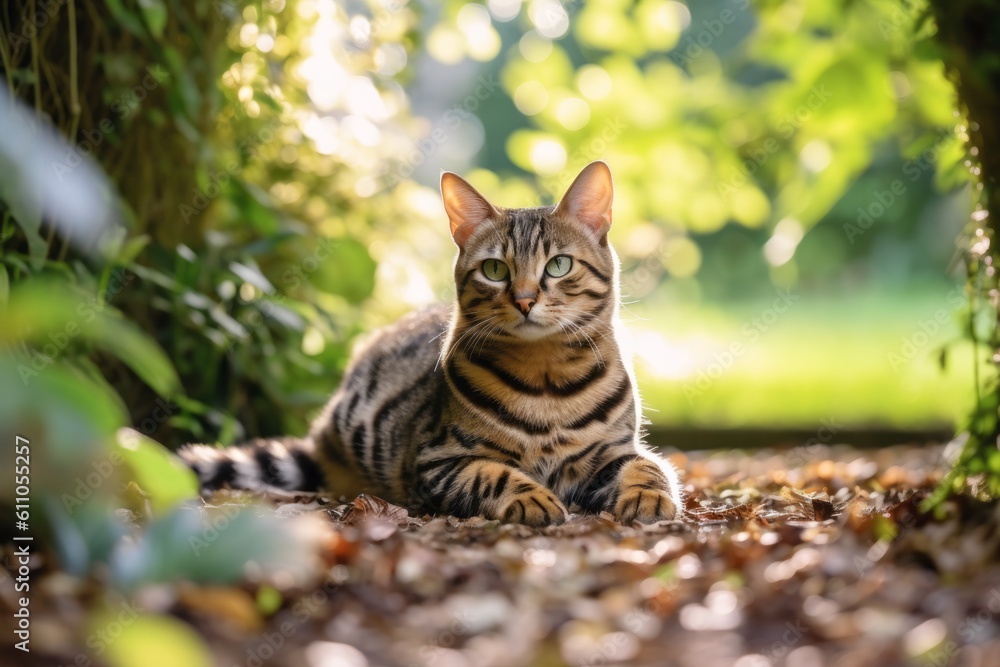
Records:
x=483, y=409
x=265, y=464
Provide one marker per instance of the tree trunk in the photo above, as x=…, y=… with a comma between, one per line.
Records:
x=968, y=33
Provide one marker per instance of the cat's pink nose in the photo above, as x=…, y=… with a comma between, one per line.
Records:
x=525, y=304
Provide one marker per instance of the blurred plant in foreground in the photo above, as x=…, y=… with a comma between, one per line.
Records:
x=190, y=217
x=248, y=144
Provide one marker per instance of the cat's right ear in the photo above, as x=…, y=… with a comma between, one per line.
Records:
x=589, y=198
x=466, y=208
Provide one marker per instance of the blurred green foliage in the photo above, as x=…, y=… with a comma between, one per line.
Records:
x=261, y=154
x=760, y=115
x=218, y=297
x=243, y=254
x=756, y=147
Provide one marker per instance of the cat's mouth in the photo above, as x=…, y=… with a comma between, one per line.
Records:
x=533, y=330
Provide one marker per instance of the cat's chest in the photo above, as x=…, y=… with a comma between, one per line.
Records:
x=561, y=441
x=548, y=379
x=544, y=405
x=567, y=459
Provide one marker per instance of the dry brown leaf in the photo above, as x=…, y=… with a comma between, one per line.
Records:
x=232, y=606
x=366, y=506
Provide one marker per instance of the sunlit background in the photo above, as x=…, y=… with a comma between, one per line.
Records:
x=789, y=187
x=787, y=198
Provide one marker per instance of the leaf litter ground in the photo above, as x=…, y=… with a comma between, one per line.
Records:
x=804, y=558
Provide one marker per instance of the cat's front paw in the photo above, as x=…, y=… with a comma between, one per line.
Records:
x=648, y=492
x=534, y=507
x=645, y=505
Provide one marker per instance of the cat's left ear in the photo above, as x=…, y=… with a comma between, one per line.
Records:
x=466, y=208
x=589, y=198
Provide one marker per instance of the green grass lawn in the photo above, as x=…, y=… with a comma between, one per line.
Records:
x=865, y=360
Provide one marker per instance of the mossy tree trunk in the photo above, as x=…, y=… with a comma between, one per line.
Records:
x=968, y=33
x=134, y=86
x=134, y=90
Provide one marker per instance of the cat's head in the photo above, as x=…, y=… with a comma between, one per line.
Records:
x=535, y=272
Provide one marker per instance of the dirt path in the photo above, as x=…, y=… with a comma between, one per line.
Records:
x=808, y=559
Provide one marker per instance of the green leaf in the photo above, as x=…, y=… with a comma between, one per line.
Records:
x=268, y=101
x=132, y=248
x=268, y=600
x=151, y=640
x=159, y=473
x=884, y=529
x=284, y=316
x=36, y=308
x=26, y=213
x=4, y=286
x=70, y=420
x=993, y=462
x=211, y=546
x=139, y=352
x=75, y=411
x=269, y=243
x=85, y=534
x=185, y=95
x=342, y=267
x=252, y=275
x=155, y=13
x=49, y=314
x=124, y=17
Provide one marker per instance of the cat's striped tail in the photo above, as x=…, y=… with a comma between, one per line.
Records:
x=285, y=464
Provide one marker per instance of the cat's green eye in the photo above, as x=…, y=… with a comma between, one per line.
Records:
x=559, y=266
x=495, y=269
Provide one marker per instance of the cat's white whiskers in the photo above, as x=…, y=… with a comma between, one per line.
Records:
x=471, y=330
x=577, y=331
x=489, y=334
x=625, y=306
x=598, y=333
x=483, y=334
x=580, y=311
x=470, y=333
x=566, y=329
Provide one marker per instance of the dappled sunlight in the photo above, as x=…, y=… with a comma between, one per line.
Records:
x=401, y=277
x=220, y=454
x=670, y=359
x=337, y=80
x=336, y=123
x=780, y=248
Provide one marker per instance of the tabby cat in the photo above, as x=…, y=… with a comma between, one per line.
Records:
x=515, y=405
